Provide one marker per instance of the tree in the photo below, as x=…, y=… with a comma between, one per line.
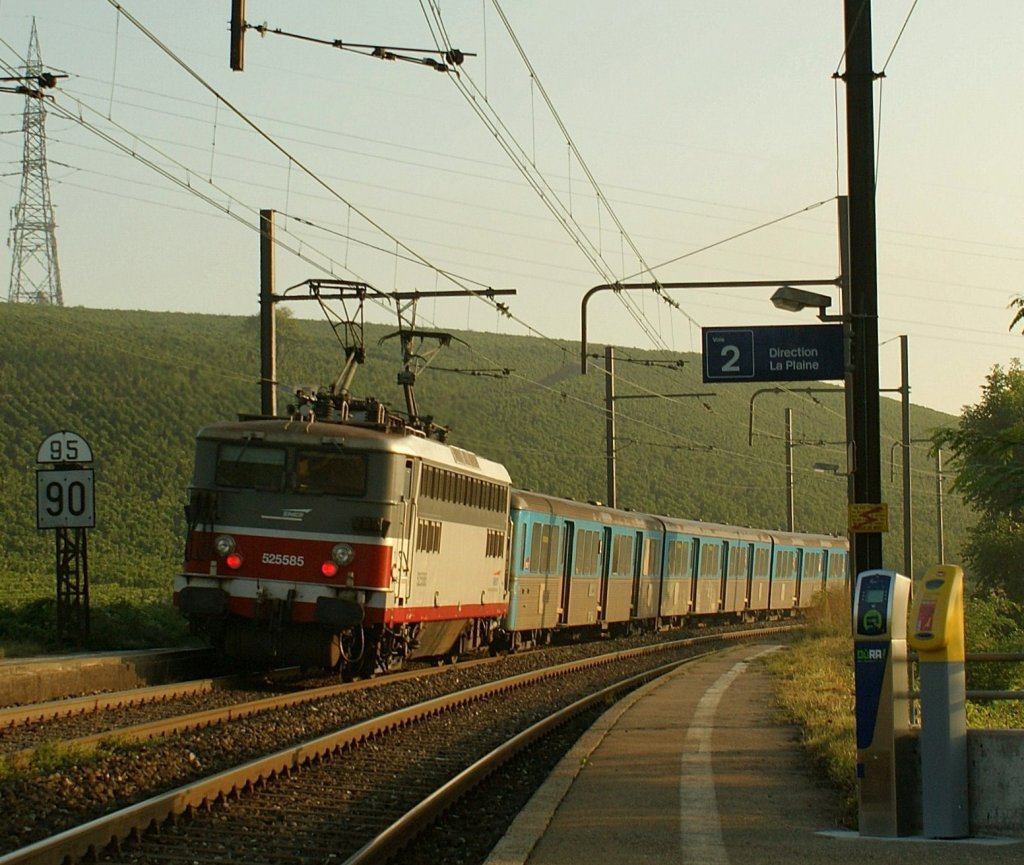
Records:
x=1018, y=317
x=988, y=445
x=987, y=449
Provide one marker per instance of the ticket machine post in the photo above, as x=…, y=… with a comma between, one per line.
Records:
x=937, y=634
x=882, y=703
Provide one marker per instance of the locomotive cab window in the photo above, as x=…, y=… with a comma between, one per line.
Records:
x=250, y=467
x=337, y=474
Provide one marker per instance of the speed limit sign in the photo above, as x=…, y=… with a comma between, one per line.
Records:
x=64, y=499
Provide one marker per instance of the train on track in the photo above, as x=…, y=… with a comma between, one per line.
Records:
x=343, y=536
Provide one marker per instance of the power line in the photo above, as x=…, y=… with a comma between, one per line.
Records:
x=35, y=270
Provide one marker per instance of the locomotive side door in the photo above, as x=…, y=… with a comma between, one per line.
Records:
x=402, y=567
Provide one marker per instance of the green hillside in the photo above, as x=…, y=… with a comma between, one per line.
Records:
x=137, y=385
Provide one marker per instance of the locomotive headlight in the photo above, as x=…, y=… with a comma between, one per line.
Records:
x=342, y=554
x=224, y=545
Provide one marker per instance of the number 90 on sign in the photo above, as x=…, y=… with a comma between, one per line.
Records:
x=64, y=499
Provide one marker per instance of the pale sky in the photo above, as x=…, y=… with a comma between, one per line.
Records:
x=702, y=122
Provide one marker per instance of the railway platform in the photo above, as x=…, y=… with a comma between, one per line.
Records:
x=28, y=680
x=697, y=767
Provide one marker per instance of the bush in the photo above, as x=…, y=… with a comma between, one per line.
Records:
x=995, y=624
x=123, y=623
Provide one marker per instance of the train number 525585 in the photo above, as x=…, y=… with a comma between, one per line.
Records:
x=282, y=559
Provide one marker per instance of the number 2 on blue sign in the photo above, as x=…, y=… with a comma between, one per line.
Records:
x=731, y=354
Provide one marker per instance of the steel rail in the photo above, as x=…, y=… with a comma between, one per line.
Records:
x=149, y=730
x=404, y=830
x=52, y=710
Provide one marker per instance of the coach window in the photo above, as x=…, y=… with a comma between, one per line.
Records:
x=622, y=556
x=812, y=565
x=787, y=565
x=710, y=560
x=761, y=562
x=544, y=548
x=836, y=566
x=651, y=556
x=738, y=562
x=680, y=557
x=250, y=467
x=588, y=553
x=338, y=474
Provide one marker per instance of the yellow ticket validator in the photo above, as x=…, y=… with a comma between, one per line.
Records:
x=936, y=626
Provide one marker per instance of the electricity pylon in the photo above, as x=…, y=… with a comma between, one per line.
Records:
x=35, y=272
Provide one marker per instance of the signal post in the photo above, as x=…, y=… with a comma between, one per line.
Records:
x=65, y=502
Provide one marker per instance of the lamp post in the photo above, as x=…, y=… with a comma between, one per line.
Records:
x=790, y=284
x=859, y=77
x=908, y=524
x=788, y=296
x=790, y=495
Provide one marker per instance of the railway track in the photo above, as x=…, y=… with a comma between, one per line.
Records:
x=318, y=795
x=82, y=724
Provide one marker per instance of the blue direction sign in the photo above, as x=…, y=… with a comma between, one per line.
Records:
x=799, y=352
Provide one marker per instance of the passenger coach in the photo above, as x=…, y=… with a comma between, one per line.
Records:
x=574, y=565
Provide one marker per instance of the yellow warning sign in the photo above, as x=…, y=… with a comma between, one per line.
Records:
x=867, y=518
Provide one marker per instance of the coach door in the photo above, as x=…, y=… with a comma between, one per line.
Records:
x=606, y=567
x=638, y=572
x=567, y=557
x=798, y=588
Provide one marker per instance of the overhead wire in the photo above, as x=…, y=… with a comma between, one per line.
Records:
x=227, y=210
x=503, y=135
x=881, y=88
x=185, y=183
x=292, y=159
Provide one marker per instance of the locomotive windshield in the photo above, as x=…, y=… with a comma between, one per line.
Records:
x=250, y=467
x=261, y=467
x=334, y=473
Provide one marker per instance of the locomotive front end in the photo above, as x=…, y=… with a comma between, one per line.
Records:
x=290, y=543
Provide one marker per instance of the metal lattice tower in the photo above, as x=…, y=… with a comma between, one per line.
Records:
x=35, y=273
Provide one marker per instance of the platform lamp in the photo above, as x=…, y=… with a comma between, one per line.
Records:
x=791, y=299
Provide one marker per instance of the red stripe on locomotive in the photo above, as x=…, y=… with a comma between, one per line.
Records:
x=295, y=560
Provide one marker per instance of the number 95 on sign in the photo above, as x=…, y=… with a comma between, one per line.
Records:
x=64, y=499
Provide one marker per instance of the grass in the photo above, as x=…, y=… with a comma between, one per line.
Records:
x=48, y=758
x=814, y=689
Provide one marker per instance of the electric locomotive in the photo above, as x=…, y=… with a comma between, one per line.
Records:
x=342, y=537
